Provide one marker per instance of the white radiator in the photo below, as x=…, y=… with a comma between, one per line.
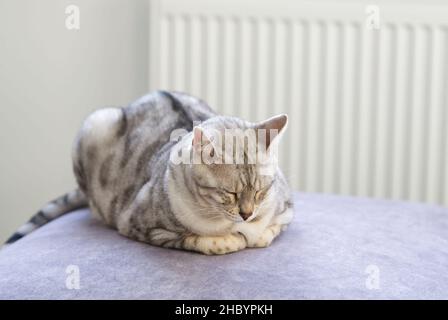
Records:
x=367, y=102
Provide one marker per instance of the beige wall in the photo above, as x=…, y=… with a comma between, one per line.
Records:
x=50, y=79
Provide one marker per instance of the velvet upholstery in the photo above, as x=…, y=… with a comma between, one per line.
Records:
x=332, y=249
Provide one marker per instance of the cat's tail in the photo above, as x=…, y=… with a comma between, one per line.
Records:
x=52, y=210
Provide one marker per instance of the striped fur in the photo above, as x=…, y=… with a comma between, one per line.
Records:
x=122, y=160
x=52, y=210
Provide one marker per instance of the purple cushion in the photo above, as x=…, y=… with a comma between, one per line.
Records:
x=336, y=247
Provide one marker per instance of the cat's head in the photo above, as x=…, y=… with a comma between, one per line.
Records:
x=235, y=165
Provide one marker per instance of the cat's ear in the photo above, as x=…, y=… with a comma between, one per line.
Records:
x=273, y=128
x=199, y=138
x=203, y=146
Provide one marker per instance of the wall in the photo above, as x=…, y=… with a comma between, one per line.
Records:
x=50, y=79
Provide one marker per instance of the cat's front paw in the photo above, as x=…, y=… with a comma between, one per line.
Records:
x=280, y=223
x=268, y=235
x=213, y=245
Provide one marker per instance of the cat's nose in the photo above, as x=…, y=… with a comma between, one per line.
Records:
x=245, y=215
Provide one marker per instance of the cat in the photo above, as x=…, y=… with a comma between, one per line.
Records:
x=124, y=161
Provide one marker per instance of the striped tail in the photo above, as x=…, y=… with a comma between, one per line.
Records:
x=52, y=210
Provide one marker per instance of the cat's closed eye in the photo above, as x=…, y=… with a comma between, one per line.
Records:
x=220, y=195
x=230, y=197
x=261, y=194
